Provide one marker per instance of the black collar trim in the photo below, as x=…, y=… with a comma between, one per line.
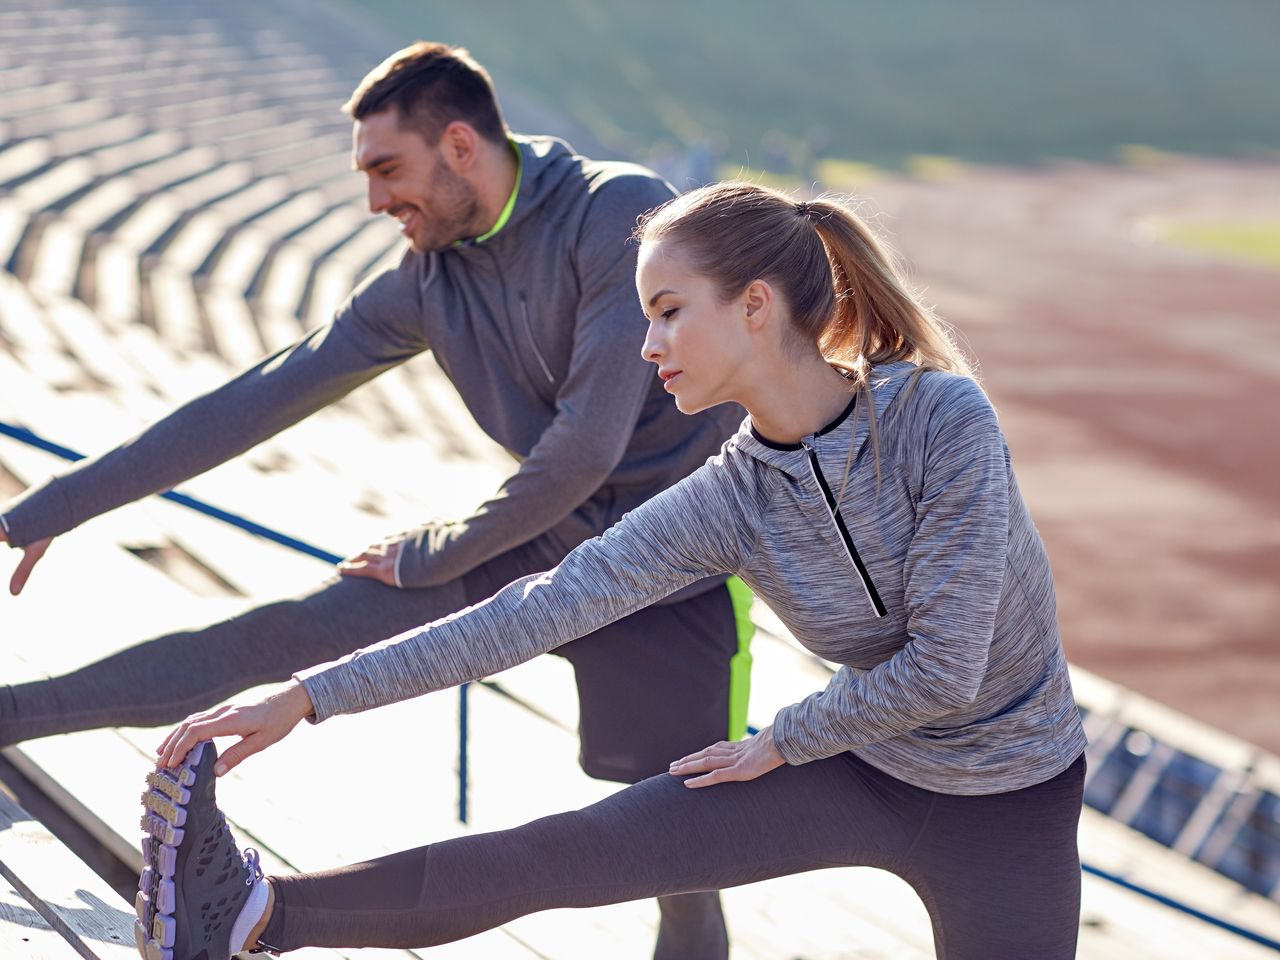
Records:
x=774, y=445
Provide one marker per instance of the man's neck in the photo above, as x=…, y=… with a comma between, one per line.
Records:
x=495, y=183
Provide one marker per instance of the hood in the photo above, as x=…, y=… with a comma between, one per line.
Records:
x=544, y=163
x=886, y=382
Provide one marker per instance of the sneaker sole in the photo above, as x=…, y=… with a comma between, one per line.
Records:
x=166, y=802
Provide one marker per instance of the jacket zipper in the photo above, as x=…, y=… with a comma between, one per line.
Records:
x=528, y=329
x=873, y=595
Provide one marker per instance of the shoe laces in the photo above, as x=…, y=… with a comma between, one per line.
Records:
x=251, y=862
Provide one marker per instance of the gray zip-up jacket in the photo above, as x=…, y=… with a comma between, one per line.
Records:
x=538, y=328
x=934, y=594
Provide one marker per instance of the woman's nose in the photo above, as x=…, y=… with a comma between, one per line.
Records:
x=652, y=349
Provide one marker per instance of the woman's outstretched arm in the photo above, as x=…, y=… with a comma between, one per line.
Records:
x=684, y=534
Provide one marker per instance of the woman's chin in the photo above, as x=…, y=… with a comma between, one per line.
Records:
x=687, y=406
x=690, y=405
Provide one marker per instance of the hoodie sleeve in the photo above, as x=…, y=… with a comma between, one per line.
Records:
x=597, y=405
x=370, y=333
x=690, y=531
x=953, y=576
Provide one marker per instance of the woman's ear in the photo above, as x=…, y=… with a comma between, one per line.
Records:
x=757, y=302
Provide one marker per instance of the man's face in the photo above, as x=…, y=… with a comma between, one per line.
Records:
x=414, y=182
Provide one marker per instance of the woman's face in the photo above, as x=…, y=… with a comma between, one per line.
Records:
x=698, y=341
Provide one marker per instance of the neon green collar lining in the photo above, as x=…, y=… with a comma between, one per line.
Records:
x=505, y=215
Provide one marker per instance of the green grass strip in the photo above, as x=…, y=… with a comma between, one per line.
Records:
x=1248, y=241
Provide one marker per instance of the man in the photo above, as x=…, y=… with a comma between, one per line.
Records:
x=520, y=278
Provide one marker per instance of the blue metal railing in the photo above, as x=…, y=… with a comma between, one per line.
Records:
x=32, y=439
x=23, y=435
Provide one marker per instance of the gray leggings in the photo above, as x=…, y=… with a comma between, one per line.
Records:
x=999, y=874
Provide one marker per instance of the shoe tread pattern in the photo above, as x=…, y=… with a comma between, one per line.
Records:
x=169, y=845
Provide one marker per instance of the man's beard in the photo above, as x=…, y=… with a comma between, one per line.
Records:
x=456, y=211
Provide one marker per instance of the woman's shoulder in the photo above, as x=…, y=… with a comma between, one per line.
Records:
x=943, y=406
x=943, y=393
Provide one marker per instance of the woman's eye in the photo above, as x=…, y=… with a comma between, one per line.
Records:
x=669, y=313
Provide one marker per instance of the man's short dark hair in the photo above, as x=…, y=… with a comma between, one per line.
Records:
x=431, y=85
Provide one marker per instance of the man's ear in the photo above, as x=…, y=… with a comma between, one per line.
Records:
x=459, y=145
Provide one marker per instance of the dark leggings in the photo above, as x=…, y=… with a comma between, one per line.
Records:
x=999, y=874
x=653, y=686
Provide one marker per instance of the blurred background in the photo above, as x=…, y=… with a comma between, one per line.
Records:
x=806, y=89
x=1088, y=192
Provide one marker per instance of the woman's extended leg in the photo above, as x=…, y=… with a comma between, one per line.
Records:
x=657, y=837
x=999, y=874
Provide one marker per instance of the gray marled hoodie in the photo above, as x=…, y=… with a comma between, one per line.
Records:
x=935, y=595
x=538, y=328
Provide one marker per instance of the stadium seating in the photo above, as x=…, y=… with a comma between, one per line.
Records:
x=175, y=202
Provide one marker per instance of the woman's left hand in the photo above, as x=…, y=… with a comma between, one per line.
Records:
x=723, y=762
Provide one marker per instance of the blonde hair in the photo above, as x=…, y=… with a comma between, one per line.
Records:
x=846, y=293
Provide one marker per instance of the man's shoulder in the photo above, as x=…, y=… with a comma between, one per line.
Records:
x=602, y=191
x=623, y=179
x=618, y=194
x=619, y=178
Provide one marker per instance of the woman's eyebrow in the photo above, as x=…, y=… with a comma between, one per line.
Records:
x=661, y=293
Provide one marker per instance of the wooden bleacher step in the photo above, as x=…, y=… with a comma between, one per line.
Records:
x=52, y=906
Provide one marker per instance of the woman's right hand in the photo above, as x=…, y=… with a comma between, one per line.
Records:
x=258, y=725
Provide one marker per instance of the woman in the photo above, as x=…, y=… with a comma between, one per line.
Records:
x=868, y=498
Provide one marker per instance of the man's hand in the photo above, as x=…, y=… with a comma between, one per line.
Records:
x=31, y=555
x=377, y=562
x=723, y=762
x=258, y=725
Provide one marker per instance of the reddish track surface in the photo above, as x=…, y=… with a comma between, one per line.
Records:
x=1138, y=387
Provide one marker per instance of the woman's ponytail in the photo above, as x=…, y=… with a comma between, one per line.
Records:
x=877, y=319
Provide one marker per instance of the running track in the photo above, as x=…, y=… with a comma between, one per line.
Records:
x=1138, y=388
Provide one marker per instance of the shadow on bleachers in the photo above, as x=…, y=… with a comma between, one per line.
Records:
x=176, y=201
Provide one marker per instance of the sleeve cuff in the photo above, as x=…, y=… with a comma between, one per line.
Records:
x=314, y=686
x=783, y=739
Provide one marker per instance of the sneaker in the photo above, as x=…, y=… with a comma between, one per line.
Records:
x=194, y=881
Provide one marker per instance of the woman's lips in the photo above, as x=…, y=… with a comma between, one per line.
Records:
x=669, y=378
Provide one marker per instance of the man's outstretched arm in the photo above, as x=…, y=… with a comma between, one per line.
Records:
x=278, y=392
x=31, y=555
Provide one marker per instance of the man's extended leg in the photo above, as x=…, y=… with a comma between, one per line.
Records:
x=692, y=925
x=165, y=679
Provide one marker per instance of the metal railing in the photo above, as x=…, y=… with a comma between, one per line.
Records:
x=26, y=436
